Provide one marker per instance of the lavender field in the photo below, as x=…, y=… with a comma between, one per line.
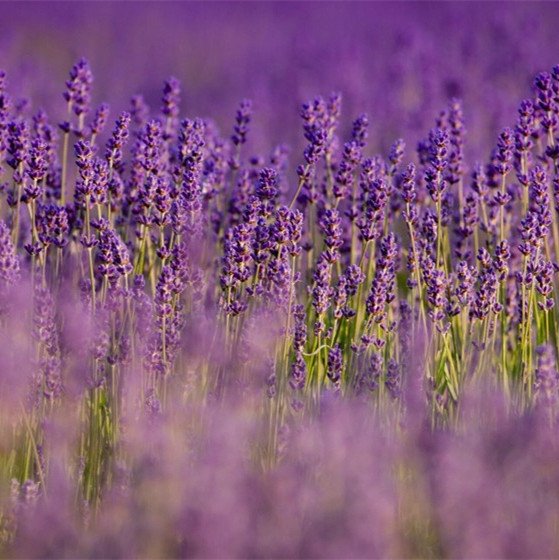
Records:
x=279, y=280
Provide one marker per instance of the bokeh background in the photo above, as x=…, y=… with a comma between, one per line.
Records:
x=399, y=62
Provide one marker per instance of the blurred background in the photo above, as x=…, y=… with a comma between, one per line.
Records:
x=399, y=62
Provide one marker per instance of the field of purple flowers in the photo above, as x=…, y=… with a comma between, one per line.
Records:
x=298, y=300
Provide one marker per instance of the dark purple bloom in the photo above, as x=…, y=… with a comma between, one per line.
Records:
x=376, y=194
x=242, y=120
x=546, y=102
x=18, y=143
x=78, y=92
x=171, y=105
x=396, y=155
x=436, y=283
x=186, y=210
x=300, y=328
x=298, y=373
x=466, y=278
x=355, y=277
x=340, y=297
x=457, y=132
x=523, y=134
x=237, y=259
x=485, y=298
x=322, y=291
x=52, y=225
x=544, y=284
x=383, y=285
x=113, y=259
x=314, y=116
x=434, y=174
x=99, y=120
x=331, y=226
x=5, y=114
x=268, y=189
x=150, y=147
x=335, y=366
x=38, y=162
x=407, y=184
x=117, y=141
x=281, y=280
x=505, y=150
x=360, y=132
x=344, y=177
x=501, y=261
x=84, y=160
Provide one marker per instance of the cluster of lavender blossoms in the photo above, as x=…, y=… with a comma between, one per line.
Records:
x=336, y=352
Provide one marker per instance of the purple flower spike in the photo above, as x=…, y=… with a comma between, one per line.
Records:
x=335, y=366
x=546, y=383
x=78, y=92
x=242, y=120
x=9, y=260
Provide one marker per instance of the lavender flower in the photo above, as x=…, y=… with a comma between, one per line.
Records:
x=544, y=284
x=321, y=291
x=46, y=333
x=393, y=379
x=383, y=285
x=99, y=120
x=78, y=92
x=300, y=328
x=457, y=132
x=505, y=148
x=18, y=144
x=242, y=120
x=407, y=184
x=267, y=190
x=331, y=224
x=335, y=366
x=546, y=101
x=298, y=377
x=9, y=260
x=117, y=141
x=38, y=162
x=396, y=155
x=84, y=161
x=112, y=254
x=237, y=259
x=523, y=132
x=52, y=225
x=5, y=115
x=170, y=107
x=359, y=131
x=485, y=299
x=434, y=179
x=436, y=285
x=315, y=127
x=188, y=205
x=351, y=157
x=150, y=147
